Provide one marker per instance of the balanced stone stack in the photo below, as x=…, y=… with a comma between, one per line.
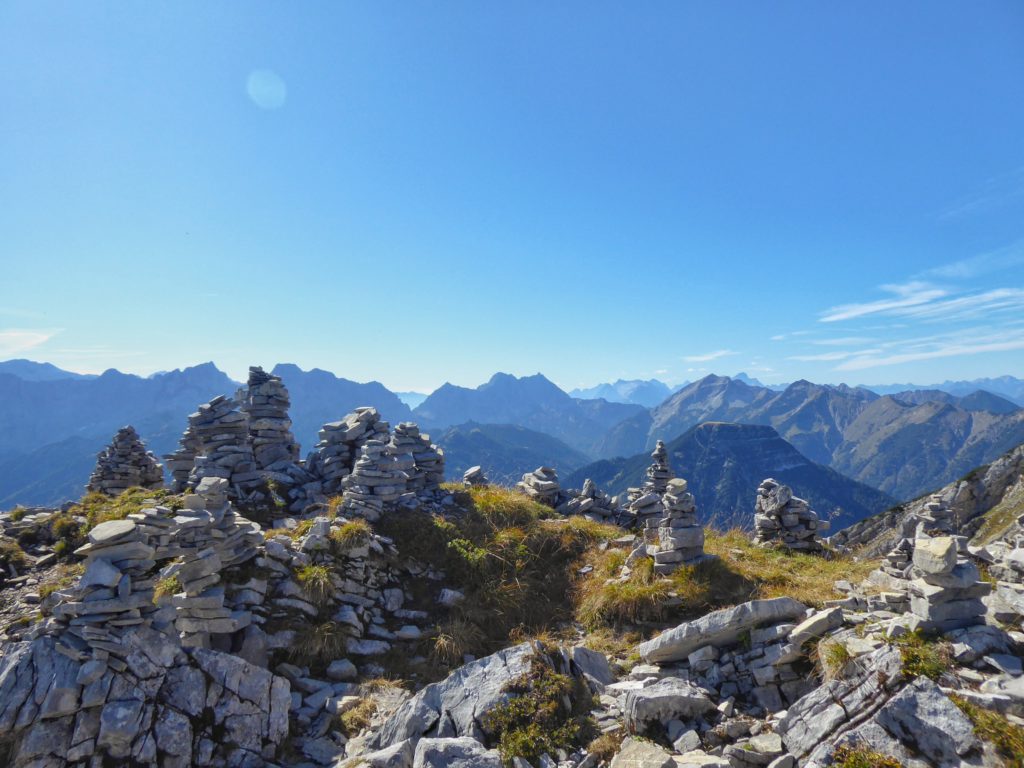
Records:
x=375, y=480
x=125, y=463
x=114, y=592
x=1008, y=568
x=209, y=536
x=680, y=538
x=183, y=460
x=266, y=403
x=780, y=518
x=592, y=504
x=947, y=592
x=646, y=511
x=333, y=458
x=659, y=472
x=224, y=447
x=429, y=463
x=474, y=476
x=937, y=519
x=541, y=485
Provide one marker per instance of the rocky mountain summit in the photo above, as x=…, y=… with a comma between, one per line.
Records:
x=349, y=609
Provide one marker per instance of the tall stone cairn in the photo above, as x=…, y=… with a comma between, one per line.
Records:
x=376, y=479
x=679, y=538
x=541, y=485
x=266, y=402
x=937, y=518
x=181, y=462
x=781, y=518
x=225, y=451
x=125, y=463
x=947, y=590
x=334, y=457
x=659, y=472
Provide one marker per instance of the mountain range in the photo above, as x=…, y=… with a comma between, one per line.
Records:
x=53, y=422
x=724, y=463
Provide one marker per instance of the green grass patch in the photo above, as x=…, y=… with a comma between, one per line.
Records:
x=923, y=655
x=166, y=588
x=351, y=535
x=536, y=720
x=995, y=729
x=315, y=581
x=862, y=757
x=11, y=554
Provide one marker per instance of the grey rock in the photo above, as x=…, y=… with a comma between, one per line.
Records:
x=459, y=752
x=665, y=700
x=635, y=753
x=926, y=721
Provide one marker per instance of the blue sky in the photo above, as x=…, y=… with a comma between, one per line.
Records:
x=417, y=193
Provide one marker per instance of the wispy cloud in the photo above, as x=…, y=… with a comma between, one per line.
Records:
x=931, y=350
x=791, y=334
x=994, y=261
x=14, y=341
x=833, y=356
x=709, y=356
x=843, y=341
x=994, y=192
x=912, y=294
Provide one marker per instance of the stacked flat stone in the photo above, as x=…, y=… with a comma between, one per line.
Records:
x=333, y=458
x=114, y=592
x=947, y=590
x=592, y=504
x=474, y=476
x=541, y=485
x=659, y=472
x=680, y=538
x=125, y=463
x=1008, y=569
x=646, y=511
x=780, y=518
x=183, y=460
x=936, y=519
x=375, y=480
x=429, y=462
x=266, y=404
x=224, y=447
x=209, y=536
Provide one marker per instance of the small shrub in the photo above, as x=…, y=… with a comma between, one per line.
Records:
x=350, y=535
x=862, y=757
x=455, y=638
x=318, y=643
x=357, y=718
x=996, y=729
x=606, y=746
x=11, y=554
x=536, y=720
x=315, y=581
x=18, y=513
x=923, y=656
x=166, y=588
x=832, y=657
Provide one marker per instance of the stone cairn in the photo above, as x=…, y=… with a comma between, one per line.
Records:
x=183, y=460
x=225, y=451
x=679, y=538
x=427, y=470
x=780, y=518
x=265, y=402
x=474, y=476
x=125, y=463
x=541, y=485
x=645, y=503
x=946, y=593
x=592, y=503
x=937, y=518
x=210, y=536
x=659, y=472
x=334, y=457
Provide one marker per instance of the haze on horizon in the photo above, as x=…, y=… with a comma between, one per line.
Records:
x=591, y=191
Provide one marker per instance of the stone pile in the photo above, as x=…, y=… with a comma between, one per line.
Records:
x=646, y=510
x=376, y=480
x=541, y=485
x=225, y=451
x=679, y=537
x=125, y=463
x=208, y=538
x=417, y=457
x=334, y=457
x=474, y=476
x=183, y=460
x=659, y=472
x=592, y=503
x=936, y=519
x=946, y=593
x=780, y=518
x=265, y=402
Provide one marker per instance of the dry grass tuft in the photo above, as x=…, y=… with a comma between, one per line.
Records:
x=317, y=644
x=315, y=581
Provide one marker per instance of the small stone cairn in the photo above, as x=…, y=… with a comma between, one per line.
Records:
x=181, y=462
x=376, y=479
x=592, y=503
x=125, y=463
x=541, y=485
x=265, y=402
x=421, y=461
x=679, y=538
x=224, y=447
x=659, y=472
x=780, y=518
x=946, y=593
x=474, y=476
x=645, y=502
x=334, y=457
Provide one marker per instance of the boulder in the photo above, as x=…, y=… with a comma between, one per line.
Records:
x=668, y=699
x=636, y=753
x=719, y=628
x=462, y=752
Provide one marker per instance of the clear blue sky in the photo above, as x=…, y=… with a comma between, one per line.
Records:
x=421, y=192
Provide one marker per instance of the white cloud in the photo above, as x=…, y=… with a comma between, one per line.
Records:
x=1002, y=258
x=948, y=350
x=832, y=356
x=912, y=294
x=709, y=356
x=845, y=341
x=16, y=340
